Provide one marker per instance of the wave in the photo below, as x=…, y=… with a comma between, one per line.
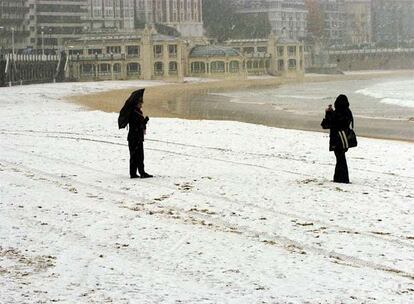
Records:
x=400, y=93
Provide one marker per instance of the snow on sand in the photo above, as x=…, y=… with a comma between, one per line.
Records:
x=237, y=213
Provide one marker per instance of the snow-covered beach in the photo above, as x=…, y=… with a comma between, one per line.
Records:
x=237, y=213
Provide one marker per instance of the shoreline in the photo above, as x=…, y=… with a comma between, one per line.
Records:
x=174, y=100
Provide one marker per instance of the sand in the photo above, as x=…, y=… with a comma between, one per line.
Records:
x=176, y=100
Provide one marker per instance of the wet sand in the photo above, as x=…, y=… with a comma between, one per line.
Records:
x=198, y=101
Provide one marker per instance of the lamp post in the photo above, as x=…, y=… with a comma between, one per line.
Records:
x=2, y=28
x=43, y=41
x=50, y=40
x=12, y=31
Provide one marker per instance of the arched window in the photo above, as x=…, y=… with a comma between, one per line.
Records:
x=198, y=67
x=172, y=68
x=217, y=67
x=158, y=68
x=117, y=68
x=133, y=68
x=234, y=67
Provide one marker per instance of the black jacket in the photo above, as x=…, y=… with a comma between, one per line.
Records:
x=137, y=126
x=337, y=120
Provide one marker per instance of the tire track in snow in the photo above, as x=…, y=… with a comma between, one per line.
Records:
x=340, y=229
x=274, y=239
x=128, y=253
x=83, y=138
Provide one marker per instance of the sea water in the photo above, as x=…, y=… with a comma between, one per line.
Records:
x=399, y=93
x=383, y=107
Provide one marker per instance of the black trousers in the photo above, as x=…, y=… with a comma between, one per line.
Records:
x=341, y=168
x=136, y=157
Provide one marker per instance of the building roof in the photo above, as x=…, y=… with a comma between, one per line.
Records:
x=119, y=35
x=213, y=51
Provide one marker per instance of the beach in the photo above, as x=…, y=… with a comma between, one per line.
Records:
x=236, y=212
x=271, y=101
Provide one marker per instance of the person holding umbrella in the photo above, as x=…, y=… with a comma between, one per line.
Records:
x=132, y=114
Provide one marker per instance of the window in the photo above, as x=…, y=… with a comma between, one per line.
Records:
x=217, y=67
x=133, y=50
x=133, y=68
x=261, y=64
x=292, y=64
x=104, y=69
x=173, y=68
x=94, y=51
x=75, y=52
x=198, y=67
x=117, y=68
x=158, y=69
x=234, y=67
x=157, y=51
x=280, y=51
x=87, y=69
x=172, y=50
x=292, y=50
x=248, y=50
x=281, y=65
x=113, y=49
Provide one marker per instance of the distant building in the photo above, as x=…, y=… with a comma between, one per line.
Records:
x=215, y=61
x=358, y=22
x=52, y=22
x=393, y=22
x=45, y=25
x=184, y=15
x=274, y=56
x=119, y=14
x=287, y=17
x=140, y=55
x=13, y=24
x=145, y=54
x=335, y=25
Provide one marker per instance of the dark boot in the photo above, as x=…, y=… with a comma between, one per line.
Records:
x=146, y=175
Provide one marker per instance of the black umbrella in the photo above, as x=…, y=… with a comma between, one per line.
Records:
x=128, y=107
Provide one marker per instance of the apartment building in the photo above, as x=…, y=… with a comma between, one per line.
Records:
x=52, y=22
x=287, y=17
x=358, y=22
x=393, y=22
x=335, y=25
x=117, y=14
x=183, y=15
x=13, y=25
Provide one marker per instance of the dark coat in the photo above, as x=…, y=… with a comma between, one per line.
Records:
x=337, y=120
x=137, y=126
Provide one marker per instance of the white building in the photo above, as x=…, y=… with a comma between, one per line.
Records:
x=287, y=17
x=117, y=14
x=183, y=15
